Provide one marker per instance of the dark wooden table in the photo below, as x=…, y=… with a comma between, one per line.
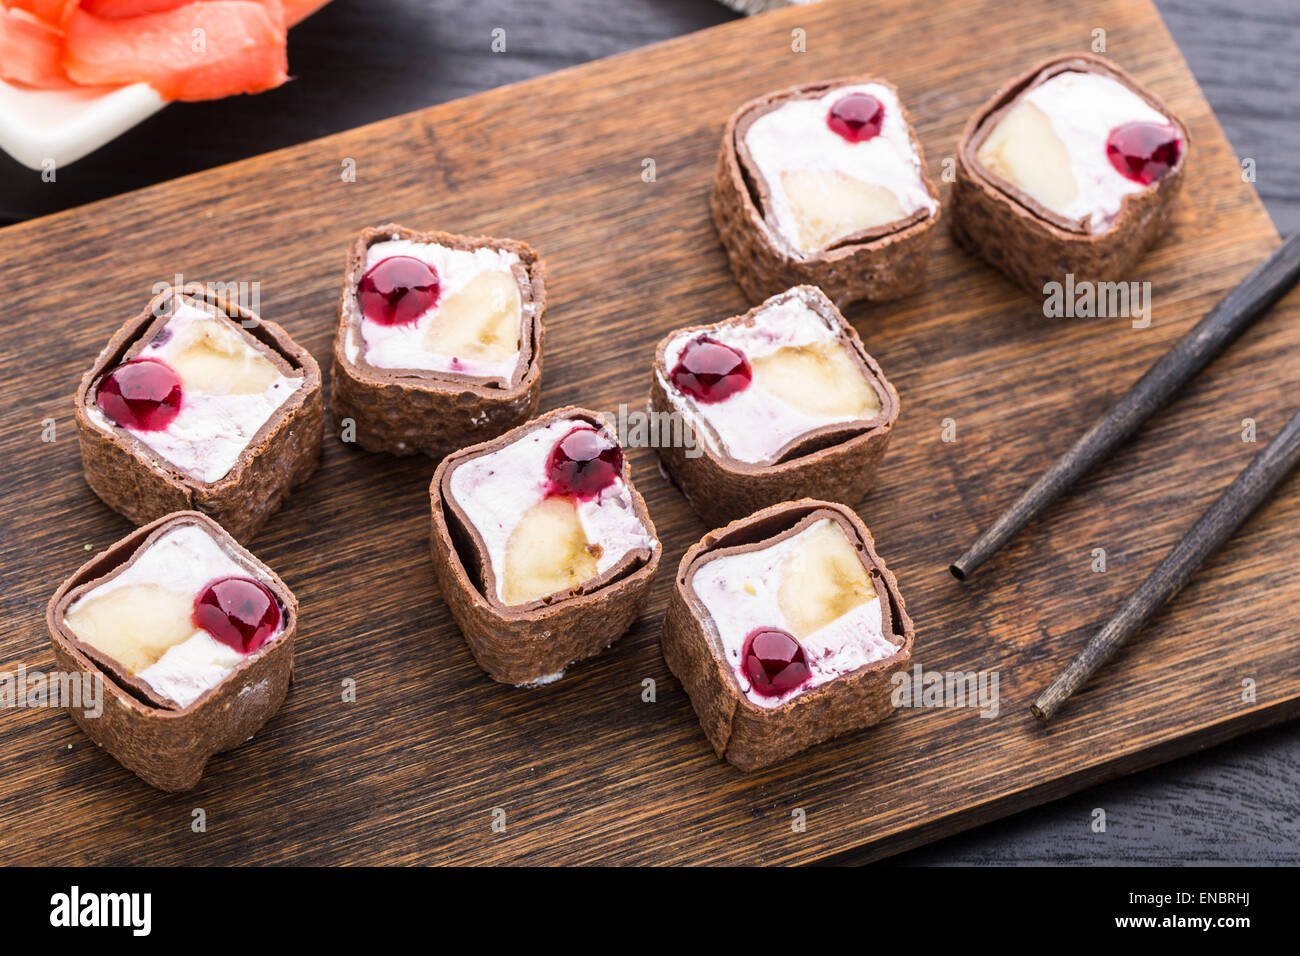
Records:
x=362, y=60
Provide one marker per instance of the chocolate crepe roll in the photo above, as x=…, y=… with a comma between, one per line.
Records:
x=198, y=403
x=825, y=184
x=543, y=549
x=786, y=628
x=782, y=402
x=191, y=638
x=1072, y=169
x=439, y=340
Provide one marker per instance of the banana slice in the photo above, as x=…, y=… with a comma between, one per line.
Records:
x=212, y=359
x=481, y=321
x=829, y=205
x=547, y=552
x=822, y=579
x=820, y=379
x=134, y=624
x=1024, y=150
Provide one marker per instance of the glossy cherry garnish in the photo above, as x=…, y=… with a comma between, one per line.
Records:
x=709, y=371
x=144, y=394
x=239, y=612
x=857, y=117
x=398, y=290
x=1143, y=152
x=773, y=661
x=583, y=463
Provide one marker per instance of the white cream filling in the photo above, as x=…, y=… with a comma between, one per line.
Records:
x=402, y=346
x=740, y=593
x=753, y=424
x=1083, y=108
x=210, y=432
x=184, y=559
x=188, y=670
x=497, y=489
x=795, y=136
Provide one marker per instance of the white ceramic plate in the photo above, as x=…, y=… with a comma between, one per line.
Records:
x=40, y=126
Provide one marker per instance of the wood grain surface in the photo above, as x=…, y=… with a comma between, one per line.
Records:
x=586, y=771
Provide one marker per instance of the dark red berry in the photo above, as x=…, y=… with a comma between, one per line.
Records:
x=144, y=394
x=710, y=371
x=583, y=463
x=239, y=612
x=773, y=661
x=398, y=290
x=1143, y=152
x=857, y=117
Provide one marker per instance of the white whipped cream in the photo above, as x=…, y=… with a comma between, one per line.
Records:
x=210, y=432
x=740, y=593
x=184, y=559
x=188, y=670
x=497, y=489
x=1083, y=108
x=795, y=136
x=753, y=424
x=402, y=346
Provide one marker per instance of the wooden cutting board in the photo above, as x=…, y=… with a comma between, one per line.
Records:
x=586, y=770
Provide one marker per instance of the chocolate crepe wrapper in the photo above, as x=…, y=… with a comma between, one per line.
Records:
x=407, y=413
x=169, y=748
x=746, y=735
x=133, y=480
x=838, y=463
x=992, y=220
x=877, y=268
x=524, y=644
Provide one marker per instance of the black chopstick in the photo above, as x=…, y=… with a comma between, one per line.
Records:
x=1191, y=353
x=1221, y=519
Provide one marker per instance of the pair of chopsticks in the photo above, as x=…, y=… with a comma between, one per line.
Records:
x=1216, y=331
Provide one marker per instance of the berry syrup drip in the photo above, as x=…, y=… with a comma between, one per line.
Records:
x=583, y=464
x=856, y=117
x=709, y=371
x=238, y=612
x=143, y=394
x=398, y=290
x=773, y=661
x=1143, y=152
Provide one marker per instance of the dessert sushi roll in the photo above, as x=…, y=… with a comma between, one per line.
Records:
x=785, y=628
x=439, y=340
x=782, y=402
x=198, y=403
x=1073, y=168
x=825, y=184
x=543, y=549
x=192, y=638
